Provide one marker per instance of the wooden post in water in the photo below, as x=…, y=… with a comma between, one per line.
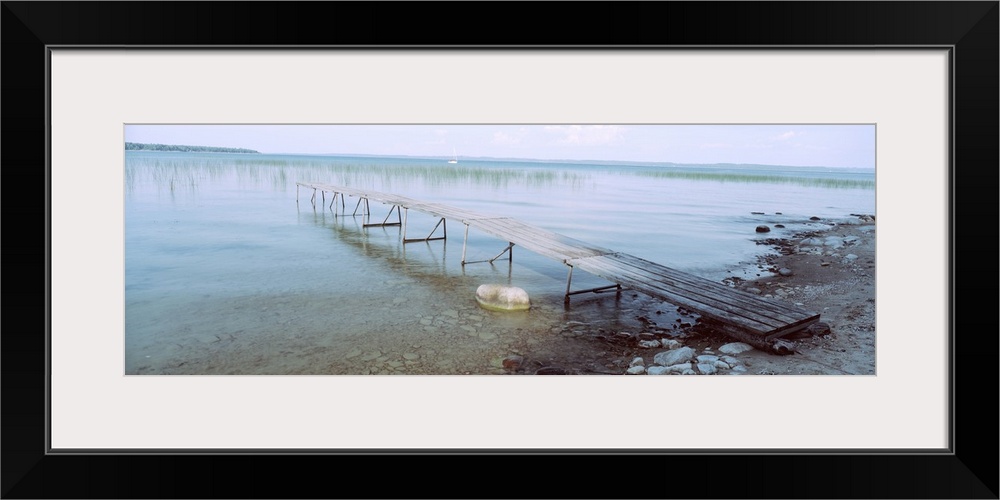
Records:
x=569, y=279
x=464, y=243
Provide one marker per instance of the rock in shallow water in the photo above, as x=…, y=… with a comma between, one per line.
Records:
x=502, y=298
x=658, y=370
x=670, y=343
x=707, y=369
x=735, y=348
x=672, y=357
x=512, y=362
x=819, y=328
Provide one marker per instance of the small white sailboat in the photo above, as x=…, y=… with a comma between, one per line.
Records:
x=454, y=157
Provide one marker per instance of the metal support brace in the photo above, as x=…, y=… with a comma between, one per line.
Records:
x=444, y=235
x=569, y=280
x=385, y=221
x=367, y=211
x=509, y=251
x=341, y=196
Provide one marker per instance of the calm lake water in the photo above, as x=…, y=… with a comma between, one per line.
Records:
x=231, y=269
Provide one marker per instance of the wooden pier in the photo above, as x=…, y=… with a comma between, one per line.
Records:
x=756, y=320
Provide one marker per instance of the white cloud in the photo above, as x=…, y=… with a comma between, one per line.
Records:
x=587, y=134
x=786, y=136
x=501, y=137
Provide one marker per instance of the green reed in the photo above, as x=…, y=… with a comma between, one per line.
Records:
x=279, y=174
x=746, y=178
x=176, y=173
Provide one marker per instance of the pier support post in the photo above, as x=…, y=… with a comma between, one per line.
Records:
x=441, y=223
x=367, y=211
x=342, y=205
x=465, y=243
x=405, y=214
x=509, y=250
x=385, y=222
x=569, y=280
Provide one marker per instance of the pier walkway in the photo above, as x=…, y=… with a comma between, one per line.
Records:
x=747, y=317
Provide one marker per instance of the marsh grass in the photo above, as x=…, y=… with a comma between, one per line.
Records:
x=174, y=174
x=733, y=177
x=187, y=173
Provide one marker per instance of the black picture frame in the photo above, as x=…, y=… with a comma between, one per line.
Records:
x=969, y=470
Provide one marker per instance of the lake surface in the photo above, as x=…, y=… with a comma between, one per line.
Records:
x=230, y=268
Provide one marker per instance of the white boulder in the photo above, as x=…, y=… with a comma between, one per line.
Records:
x=735, y=348
x=673, y=357
x=658, y=370
x=502, y=298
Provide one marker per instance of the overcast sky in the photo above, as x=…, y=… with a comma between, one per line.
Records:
x=799, y=145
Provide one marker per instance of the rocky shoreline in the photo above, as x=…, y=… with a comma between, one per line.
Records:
x=829, y=270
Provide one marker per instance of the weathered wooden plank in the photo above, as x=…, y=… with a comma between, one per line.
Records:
x=447, y=212
x=758, y=325
x=698, y=285
x=708, y=297
x=741, y=314
x=538, y=240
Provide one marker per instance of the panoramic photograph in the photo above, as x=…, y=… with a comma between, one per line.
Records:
x=505, y=249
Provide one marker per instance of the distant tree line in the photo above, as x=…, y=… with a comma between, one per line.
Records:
x=135, y=146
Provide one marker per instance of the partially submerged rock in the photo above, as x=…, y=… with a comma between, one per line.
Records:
x=513, y=362
x=675, y=356
x=735, y=348
x=636, y=370
x=502, y=298
x=819, y=328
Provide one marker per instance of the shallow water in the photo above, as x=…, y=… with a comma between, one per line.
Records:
x=231, y=269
